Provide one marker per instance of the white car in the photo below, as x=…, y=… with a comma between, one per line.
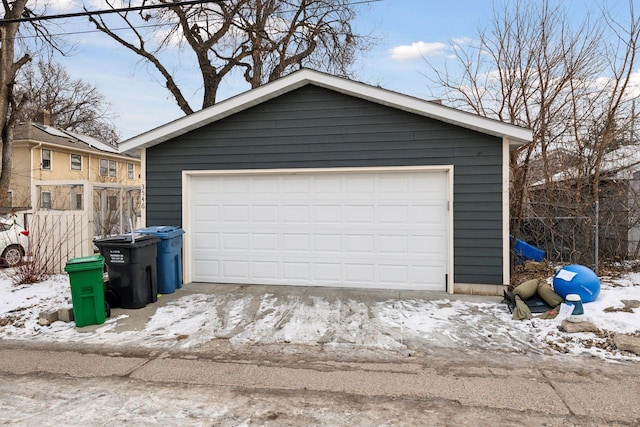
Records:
x=14, y=242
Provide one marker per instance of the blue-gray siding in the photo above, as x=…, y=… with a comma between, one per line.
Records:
x=318, y=128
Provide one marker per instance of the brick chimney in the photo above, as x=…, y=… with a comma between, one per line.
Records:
x=44, y=117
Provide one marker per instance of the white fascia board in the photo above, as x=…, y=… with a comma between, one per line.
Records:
x=516, y=135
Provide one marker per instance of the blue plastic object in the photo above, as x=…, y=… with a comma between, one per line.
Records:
x=169, y=257
x=577, y=279
x=528, y=251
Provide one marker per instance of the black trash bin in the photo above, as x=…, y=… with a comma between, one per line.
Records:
x=131, y=267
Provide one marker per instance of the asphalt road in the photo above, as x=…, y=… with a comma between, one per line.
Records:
x=102, y=386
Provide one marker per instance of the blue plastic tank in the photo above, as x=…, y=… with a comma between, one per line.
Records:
x=577, y=279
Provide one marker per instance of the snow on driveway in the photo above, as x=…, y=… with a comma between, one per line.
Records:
x=396, y=325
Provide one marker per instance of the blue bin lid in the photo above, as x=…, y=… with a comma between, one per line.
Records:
x=162, y=231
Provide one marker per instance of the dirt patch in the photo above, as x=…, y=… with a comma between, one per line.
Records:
x=629, y=306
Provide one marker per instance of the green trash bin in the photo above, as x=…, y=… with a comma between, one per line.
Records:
x=87, y=289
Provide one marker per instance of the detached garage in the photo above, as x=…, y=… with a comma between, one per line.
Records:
x=314, y=180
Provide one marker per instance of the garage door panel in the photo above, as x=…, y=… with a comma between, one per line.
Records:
x=327, y=243
x=265, y=242
x=235, y=242
x=207, y=268
x=295, y=214
x=327, y=214
x=424, y=245
x=268, y=214
x=327, y=186
x=386, y=230
x=265, y=185
x=393, y=214
x=423, y=276
x=235, y=213
x=359, y=214
x=327, y=272
x=206, y=213
x=393, y=275
x=206, y=241
x=265, y=270
x=235, y=269
x=359, y=244
x=393, y=186
x=295, y=242
x=359, y=273
x=393, y=245
x=296, y=271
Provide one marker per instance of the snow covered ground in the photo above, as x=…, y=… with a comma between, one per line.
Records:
x=192, y=321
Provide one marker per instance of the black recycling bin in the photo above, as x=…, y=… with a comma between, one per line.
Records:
x=131, y=267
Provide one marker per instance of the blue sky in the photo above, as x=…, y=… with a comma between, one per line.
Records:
x=403, y=27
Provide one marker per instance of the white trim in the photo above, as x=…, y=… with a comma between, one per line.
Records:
x=517, y=135
x=450, y=285
x=143, y=189
x=186, y=243
x=306, y=171
x=506, y=244
x=186, y=175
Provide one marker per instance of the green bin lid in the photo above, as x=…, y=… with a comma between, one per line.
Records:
x=85, y=259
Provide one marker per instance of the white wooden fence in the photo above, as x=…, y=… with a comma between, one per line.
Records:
x=69, y=226
x=57, y=236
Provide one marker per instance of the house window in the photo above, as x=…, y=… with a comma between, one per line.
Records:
x=130, y=170
x=76, y=162
x=108, y=167
x=112, y=203
x=46, y=159
x=45, y=200
x=78, y=200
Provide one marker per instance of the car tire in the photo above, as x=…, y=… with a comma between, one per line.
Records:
x=12, y=255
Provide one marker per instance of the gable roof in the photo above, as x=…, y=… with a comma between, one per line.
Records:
x=49, y=135
x=621, y=163
x=517, y=135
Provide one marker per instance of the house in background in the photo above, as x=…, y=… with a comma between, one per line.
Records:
x=562, y=215
x=64, y=171
x=67, y=189
x=315, y=180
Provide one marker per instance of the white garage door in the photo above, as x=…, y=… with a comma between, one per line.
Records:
x=356, y=229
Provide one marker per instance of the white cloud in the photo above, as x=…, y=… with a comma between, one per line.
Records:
x=417, y=50
x=63, y=5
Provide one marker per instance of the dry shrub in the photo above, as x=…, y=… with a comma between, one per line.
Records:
x=52, y=241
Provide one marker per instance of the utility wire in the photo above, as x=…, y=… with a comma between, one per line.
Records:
x=129, y=9
x=104, y=12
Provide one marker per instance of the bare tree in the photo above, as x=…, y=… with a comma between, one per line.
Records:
x=9, y=67
x=532, y=66
x=262, y=39
x=15, y=52
x=74, y=104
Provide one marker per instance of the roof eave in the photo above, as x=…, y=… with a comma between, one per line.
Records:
x=515, y=134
